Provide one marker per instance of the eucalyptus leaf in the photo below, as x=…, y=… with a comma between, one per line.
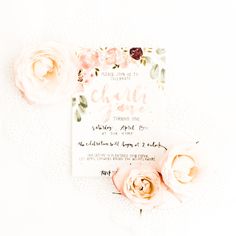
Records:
x=154, y=73
x=163, y=74
x=161, y=81
x=160, y=51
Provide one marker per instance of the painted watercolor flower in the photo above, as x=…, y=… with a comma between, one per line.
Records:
x=116, y=57
x=88, y=63
x=136, y=53
x=88, y=59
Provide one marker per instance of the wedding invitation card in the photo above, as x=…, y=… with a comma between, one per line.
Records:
x=118, y=111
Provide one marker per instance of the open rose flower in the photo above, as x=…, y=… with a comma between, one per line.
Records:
x=140, y=184
x=179, y=168
x=46, y=74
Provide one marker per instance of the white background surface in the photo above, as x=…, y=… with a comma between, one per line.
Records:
x=38, y=196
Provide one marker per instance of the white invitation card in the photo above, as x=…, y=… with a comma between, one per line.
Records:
x=117, y=115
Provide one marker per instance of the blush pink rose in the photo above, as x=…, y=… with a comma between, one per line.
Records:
x=179, y=168
x=88, y=59
x=115, y=56
x=140, y=184
x=46, y=73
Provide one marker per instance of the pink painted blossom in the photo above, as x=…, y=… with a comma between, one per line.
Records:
x=115, y=56
x=88, y=59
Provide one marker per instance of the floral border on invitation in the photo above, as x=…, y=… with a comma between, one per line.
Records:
x=92, y=61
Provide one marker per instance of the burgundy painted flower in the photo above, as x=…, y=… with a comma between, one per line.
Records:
x=136, y=53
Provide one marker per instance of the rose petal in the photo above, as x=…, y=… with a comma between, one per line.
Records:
x=119, y=177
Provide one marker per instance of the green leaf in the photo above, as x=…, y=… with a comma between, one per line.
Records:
x=83, y=101
x=144, y=61
x=80, y=71
x=73, y=101
x=154, y=73
x=115, y=66
x=163, y=74
x=77, y=116
x=82, y=109
x=160, y=51
x=161, y=81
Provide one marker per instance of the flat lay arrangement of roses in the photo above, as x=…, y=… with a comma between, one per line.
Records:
x=50, y=72
x=145, y=184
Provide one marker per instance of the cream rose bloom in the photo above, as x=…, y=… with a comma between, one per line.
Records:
x=46, y=73
x=140, y=184
x=179, y=168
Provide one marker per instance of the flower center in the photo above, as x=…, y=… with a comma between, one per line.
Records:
x=184, y=168
x=142, y=187
x=44, y=68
